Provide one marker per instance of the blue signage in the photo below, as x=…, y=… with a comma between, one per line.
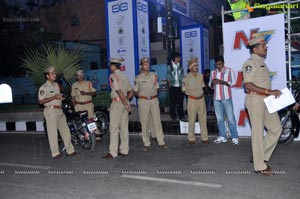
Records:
x=190, y=34
x=120, y=7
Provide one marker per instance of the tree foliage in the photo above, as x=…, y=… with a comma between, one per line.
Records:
x=65, y=61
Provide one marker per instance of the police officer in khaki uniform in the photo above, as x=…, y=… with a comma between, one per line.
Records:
x=258, y=85
x=193, y=87
x=82, y=93
x=121, y=93
x=151, y=125
x=145, y=88
x=50, y=97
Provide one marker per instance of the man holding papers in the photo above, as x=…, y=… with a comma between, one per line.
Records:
x=258, y=85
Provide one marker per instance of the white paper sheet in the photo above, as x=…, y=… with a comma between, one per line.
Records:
x=275, y=104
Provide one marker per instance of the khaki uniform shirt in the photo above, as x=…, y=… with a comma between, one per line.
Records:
x=192, y=85
x=47, y=90
x=146, y=84
x=119, y=81
x=257, y=72
x=82, y=86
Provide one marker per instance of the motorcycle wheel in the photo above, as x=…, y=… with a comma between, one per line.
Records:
x=286, y=136
x=102, y=122
x=88, y=144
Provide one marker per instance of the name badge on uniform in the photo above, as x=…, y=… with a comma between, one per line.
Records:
x=51, y=91
x=262, y=66
x=248, y=69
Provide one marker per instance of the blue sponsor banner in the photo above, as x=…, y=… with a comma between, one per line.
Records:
x=191, y=44
x=163, y=94
x=143, y=28
x=121, y=34
x=128, y=33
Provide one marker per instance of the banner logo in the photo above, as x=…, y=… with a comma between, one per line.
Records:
x=119, y=7
x=190, y=34
x=142, y=7
x=241, y=38
x=121, y=51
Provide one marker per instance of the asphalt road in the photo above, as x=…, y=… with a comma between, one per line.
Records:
x=215, y=171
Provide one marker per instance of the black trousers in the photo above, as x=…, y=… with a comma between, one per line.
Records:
x=176, y=98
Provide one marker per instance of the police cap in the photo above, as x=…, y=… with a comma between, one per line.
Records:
x=144, y=60
x=192, y=61
x=116, y=60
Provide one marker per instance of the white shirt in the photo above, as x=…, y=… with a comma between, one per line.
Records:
x=175, y=74
x=221, y=91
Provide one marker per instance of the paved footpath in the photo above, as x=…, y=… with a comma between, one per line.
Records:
x=31, y=121
x=219, y=171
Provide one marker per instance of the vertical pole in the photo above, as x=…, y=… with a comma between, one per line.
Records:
x=289, y=45
x=170, y=28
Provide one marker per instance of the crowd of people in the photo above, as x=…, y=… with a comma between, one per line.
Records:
x=217, y=83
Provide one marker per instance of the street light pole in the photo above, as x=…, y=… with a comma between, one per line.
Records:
x=170, y=28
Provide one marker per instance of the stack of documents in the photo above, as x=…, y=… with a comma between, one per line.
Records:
x=275, y=104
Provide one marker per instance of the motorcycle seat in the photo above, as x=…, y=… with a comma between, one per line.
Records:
x=77, y=115
x=82, y=113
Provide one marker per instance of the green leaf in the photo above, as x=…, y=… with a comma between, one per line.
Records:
x=65, y=62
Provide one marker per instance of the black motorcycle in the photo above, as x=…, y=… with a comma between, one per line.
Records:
x=101, y=117
x=290, y=121
x=84, y=130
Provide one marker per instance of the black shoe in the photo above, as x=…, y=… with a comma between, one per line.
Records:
x=122, y=154
x=266, y=172
x=146, y=148
x=206, y=142
x=164, y=146
x=108, y=156
x=73, y=154
x=57, y=157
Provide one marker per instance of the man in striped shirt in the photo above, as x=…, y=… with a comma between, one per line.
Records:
x=221, y=80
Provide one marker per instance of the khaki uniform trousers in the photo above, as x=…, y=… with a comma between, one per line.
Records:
x=119, y=121
x=151, y=127
x=86, y=107
x=149, y=108
x=56, y=119
x=262, y=147
x=195, y=107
